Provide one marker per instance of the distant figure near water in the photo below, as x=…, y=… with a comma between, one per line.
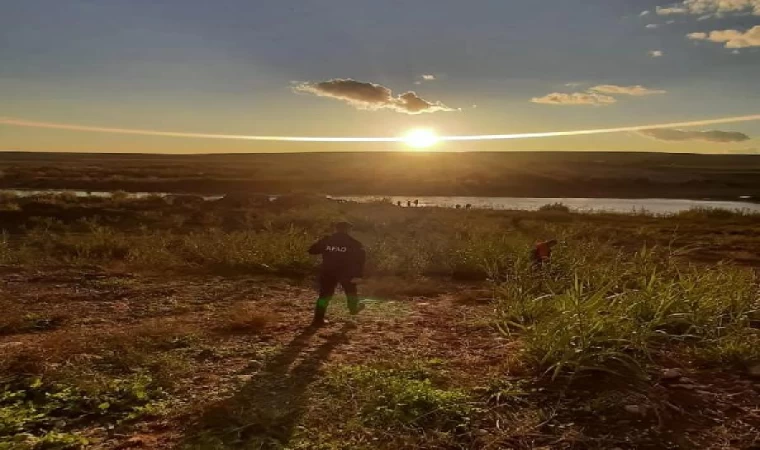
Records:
x=408, y=203
x=399, y=203
x=542, y=252
x=468, y=206
x=416, y=202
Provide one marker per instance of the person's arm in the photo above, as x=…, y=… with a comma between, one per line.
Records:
x=318, y=247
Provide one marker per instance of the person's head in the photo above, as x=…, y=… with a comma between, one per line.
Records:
x=343, y=227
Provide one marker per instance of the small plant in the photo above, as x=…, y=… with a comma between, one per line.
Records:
x=400, y=399
x=47, y=414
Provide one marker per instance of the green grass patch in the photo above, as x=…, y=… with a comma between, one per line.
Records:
x=403, y=400
x=615, y=314
x=37, y=413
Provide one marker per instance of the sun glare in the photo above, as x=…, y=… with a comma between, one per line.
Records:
x=421, y=138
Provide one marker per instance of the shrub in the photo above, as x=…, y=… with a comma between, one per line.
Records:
x=554, y=207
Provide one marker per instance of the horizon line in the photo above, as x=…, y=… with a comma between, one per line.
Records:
x=10, y=121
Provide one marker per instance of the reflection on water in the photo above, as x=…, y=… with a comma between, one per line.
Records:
x=618, y=205
x=97, y=194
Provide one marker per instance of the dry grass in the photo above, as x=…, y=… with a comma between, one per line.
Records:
x=244, y=318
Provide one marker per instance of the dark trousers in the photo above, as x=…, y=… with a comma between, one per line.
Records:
x=327, y=284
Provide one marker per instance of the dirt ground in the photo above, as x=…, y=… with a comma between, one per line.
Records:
x=245, y=349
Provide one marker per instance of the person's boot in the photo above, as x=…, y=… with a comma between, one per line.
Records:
x=319, y=316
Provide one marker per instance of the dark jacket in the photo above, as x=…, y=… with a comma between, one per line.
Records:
x=342, y=255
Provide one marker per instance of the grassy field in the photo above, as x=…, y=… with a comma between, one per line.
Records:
x=177, y=323
x=516, y=174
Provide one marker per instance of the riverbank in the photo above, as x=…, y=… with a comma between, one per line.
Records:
x=176, y=231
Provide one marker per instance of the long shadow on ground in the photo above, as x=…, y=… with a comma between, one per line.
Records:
x=265, y=412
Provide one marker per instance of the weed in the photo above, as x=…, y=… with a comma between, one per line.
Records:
x=397, y=399
x=44, y=414
x=614, y=313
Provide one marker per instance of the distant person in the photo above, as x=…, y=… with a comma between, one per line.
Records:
x=416, y=202
x=468, y=206
x=408, y=203
x=399, y=203
x=342, y=263
x=542, y=252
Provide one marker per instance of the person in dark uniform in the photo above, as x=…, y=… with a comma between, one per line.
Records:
x=342, y=263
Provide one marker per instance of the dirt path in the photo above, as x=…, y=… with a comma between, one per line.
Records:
x=271, y=365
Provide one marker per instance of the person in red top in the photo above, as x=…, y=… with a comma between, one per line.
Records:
x=542, y=252
x=342, y=263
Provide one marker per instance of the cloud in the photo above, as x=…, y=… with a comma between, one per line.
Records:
x=697, y=36
x=600, y=95
x=644, y=13
x=637, y=90
x=652, y=26
x=429, y=77
x=672, y=134
x=731, y=38
x=575, y=99
x=712, y=8
x=656, y=53
x=370, y=96
x=669, y=11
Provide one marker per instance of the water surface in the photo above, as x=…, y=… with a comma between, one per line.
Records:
x=616, y=205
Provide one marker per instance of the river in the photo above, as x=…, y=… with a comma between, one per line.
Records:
x=616, y=205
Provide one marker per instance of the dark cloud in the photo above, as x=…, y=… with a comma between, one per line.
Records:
x=670, y=134
x=371, y=96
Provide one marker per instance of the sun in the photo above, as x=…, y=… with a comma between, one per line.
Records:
x=421, y=138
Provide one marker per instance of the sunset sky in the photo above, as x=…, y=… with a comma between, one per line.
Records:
x=379, y=68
